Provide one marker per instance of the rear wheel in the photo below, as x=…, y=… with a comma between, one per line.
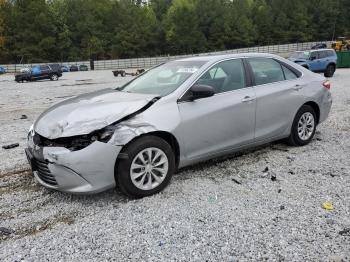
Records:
x=304, y=126
x=54, y=77
x=148, y=168
x=329, y=71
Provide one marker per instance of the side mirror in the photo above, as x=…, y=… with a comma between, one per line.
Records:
x=312, y=58
x=201, y=91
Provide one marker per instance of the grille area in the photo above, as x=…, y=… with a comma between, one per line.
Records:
x=44, y=172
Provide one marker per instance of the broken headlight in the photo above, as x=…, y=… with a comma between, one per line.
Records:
x=75, y=143
x=103, y=135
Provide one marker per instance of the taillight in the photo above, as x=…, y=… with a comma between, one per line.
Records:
x=327, y=84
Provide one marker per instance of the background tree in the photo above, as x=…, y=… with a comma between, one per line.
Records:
x=72, y=30
x=183, y=33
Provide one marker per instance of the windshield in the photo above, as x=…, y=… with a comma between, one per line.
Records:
x=164, y=79
x=300, y=55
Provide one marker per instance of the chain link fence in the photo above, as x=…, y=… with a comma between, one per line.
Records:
x=147, y=62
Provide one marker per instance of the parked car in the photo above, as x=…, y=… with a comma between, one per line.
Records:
x=83, y=68
x=73, y=68
x=319, y=46
x=64, y=68
x=2, y=70
x=123, y=73
x=174, y=115
x=40, y=72
x=24, y=70
x=318, y=61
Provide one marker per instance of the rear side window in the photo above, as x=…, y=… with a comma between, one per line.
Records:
x=322, y=54
x=44, y=67
x=266, y=70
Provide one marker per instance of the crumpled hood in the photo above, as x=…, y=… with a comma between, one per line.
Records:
x=88, y=112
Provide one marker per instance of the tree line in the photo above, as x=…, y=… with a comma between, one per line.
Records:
x=71, y=30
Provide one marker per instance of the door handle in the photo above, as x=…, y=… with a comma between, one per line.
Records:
x=297, y=87
x=247, y=99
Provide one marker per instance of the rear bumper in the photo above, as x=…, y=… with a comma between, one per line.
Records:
x=90, y=170
x=326, y=105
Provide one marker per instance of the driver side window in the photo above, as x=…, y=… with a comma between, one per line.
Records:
x=225, y=76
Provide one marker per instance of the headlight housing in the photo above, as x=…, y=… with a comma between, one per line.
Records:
x=75, y=143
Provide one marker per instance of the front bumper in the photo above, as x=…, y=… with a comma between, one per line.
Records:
x=90, y=170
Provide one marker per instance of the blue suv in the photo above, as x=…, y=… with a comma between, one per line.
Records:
x=318, y=61
x=2, y=70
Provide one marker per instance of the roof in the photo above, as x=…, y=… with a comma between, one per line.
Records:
x=220, y=57
x=312, y=50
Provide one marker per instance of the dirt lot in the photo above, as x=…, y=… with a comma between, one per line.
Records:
x=225, y=209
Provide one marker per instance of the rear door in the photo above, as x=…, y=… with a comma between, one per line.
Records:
x=277, y=90
x=221, y=122
x=45, y=71
x=324, y=60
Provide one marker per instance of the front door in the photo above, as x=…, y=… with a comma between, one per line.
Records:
x=221, y=122
x=316, y=62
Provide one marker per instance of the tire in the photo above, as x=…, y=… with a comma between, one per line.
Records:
x=307, y=115
x=123, y=74
x=54, y=77
x=138, y=186
x=329, y=71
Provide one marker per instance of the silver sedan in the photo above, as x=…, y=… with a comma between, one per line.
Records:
x=176, y=114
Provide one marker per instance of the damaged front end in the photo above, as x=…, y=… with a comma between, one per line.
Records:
x=75, y=143
x=82, y=163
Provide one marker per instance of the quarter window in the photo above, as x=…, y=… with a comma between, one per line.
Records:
x=266, y=70
x=289, y=75
x=330, y=53
x=224, y=76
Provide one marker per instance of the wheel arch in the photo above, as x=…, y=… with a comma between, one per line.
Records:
x=316, y=108
x=166, y=136
x=171, y=140
x=333, y=64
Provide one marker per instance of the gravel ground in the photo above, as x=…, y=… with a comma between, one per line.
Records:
x=225, y=209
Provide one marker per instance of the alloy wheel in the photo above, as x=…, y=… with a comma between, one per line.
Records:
x=306, y=126
x=149, y=168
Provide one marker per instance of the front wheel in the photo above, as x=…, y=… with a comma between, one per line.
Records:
x=148, y=168
x=304, y=126
x=329, y=71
